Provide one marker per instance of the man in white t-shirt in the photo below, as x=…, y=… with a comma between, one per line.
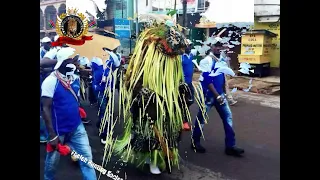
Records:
x=60, y=97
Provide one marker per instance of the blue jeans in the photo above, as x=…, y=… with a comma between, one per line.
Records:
x=43, y=129
x=78, y=141
x=226, y=117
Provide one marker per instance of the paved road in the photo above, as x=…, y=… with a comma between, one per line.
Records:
x=257, y=130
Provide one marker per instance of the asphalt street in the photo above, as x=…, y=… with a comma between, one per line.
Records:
x=257, y=128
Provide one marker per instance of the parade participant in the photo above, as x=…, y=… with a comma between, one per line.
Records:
x=112, y=64
x=115, y=60
x=221, y=56
x=187, y=66
x=214, y=90
x=153, y=118
x=97, y=72
x=46, y=44
x=60, y=97
x=49, y=59
x=77, y=75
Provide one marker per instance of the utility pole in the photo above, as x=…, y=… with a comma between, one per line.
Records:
x=175, y=8
x=122, y=8
x=184, y=7
x=137, y=20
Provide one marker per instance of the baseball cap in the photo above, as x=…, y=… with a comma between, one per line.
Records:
x=56, y=38
x=62, y=55
x=46, y=40
x=188, y=41
x=97, y=61
x=83, y=61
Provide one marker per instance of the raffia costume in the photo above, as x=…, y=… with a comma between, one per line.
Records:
x=153, y=99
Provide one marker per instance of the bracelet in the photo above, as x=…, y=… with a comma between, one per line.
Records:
x=218, y=97
x=53, y=139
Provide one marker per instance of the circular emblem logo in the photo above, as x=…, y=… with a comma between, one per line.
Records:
x=72, y=26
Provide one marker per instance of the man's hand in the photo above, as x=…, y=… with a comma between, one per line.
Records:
x=54, y=141
x=221, y=100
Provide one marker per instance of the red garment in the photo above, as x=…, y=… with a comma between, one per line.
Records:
x=62, y=149
x=83, y=113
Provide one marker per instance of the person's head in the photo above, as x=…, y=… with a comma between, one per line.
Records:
x=188, y=48
x=46, y=43
x=216, y=48
x=65, y=63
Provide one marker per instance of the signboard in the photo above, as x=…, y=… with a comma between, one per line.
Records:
x=253, y=59
x=122, y=28
x=254, y=44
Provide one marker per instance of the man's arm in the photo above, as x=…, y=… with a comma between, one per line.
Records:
x=213, y=90
x=47, y=103
x=47, y=92
x=48, y=59
x=47, y=62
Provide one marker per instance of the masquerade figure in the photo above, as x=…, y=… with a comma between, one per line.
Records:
x=152, y=99
x=60, y=97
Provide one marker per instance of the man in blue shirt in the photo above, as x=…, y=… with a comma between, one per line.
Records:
x=187, y=66
x=217, y=49
x=112, y=64
x=60, y=97
x=214, y=91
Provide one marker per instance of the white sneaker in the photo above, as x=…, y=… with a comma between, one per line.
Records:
x=74, y=158
x=154, y=169
x=232, y=102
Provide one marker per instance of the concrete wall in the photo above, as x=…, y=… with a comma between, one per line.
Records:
x=267, y=10
x=267, y=16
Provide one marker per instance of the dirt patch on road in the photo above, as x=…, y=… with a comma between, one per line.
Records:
x=258, y=86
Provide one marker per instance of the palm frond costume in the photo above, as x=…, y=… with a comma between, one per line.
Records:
x=153, y=99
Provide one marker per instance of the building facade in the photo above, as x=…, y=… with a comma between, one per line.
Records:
x=49, y=9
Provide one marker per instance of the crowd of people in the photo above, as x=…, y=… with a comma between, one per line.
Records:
x=62, y=115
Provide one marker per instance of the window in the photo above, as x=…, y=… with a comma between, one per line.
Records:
x=121, y=5
x=201, y=4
